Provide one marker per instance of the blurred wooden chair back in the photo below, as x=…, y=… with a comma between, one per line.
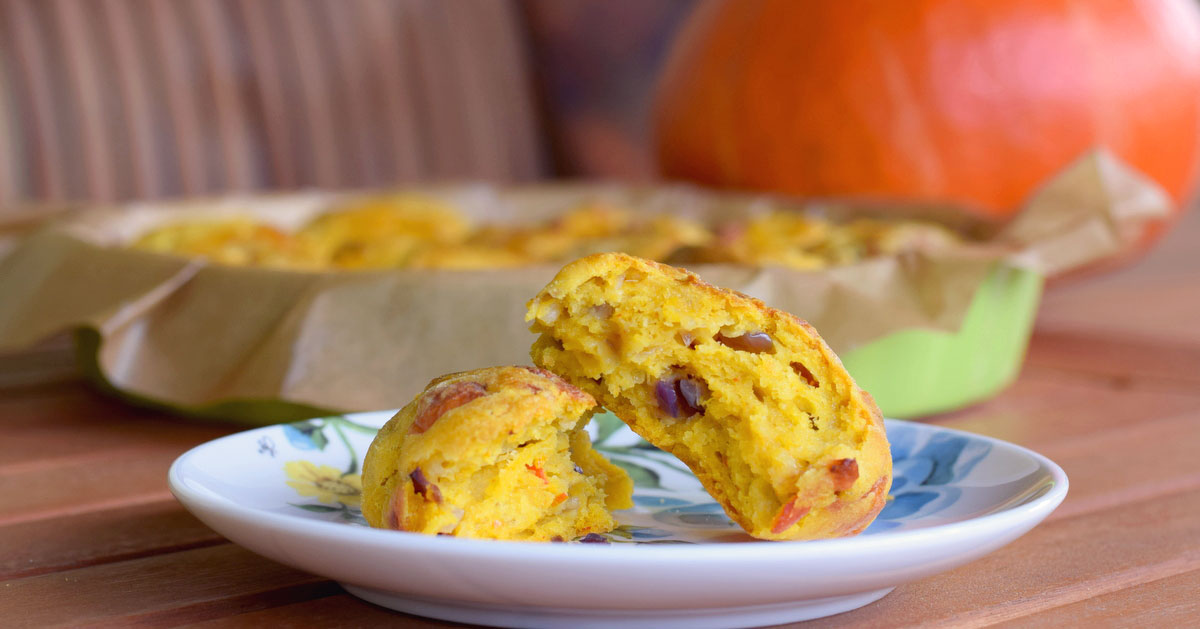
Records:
x=120, y=99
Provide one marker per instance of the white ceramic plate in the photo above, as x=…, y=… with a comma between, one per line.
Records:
x=290, y=493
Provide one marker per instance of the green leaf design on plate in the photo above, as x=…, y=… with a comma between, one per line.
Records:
x=606, y=425
x=642, y=477
x=342, y=421
x=622, y=531
x=354, y=516
x=643, y=445
x=353, y=467
x=316, y=508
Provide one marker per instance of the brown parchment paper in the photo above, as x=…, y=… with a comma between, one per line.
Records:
x=238, y=342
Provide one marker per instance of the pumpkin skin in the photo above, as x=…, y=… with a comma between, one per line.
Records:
x=970, y=102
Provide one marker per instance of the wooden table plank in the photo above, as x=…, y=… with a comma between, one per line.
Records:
x=161, y=590
x=53, y=420
x=1045, y=407
x=78, y=540
x=74, y=393
x=1155, y=296
x=339, y=610
x=49, y=362
x=43, y=433
x=69, y=451
x=1161, y=307
x=1141, y=461
x=107, y=479
x=1170, y=602
x=1059, y=563
x=223, y=607
x=1172, y=363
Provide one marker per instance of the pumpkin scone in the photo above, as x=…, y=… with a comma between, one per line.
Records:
x=594, y=227
x=238, y=241
x=749, y=397
x=383, y=231
x=497, y=453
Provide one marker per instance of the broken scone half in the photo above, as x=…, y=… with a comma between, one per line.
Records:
x=497, y=453
x=749, y=397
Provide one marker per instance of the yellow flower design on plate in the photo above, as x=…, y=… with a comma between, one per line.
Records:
x=324, y=482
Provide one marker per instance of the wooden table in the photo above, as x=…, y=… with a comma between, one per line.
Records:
x=1111, y=391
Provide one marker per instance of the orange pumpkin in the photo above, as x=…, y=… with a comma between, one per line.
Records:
x=973, y=102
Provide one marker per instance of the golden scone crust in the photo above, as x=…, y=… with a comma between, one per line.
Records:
x=236, y=241
x=749, y=397
x=465, y=257
x=803, y=241
x=589, y=228
x=382, y=232
x=496, y=453
x=415, y=231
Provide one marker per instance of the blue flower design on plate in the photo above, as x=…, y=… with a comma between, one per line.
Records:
x=929, y=467
x=306, y=435
x=707, y=515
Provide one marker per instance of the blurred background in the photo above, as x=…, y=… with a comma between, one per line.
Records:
x=965, y=102
x=114, y=100
x=969, y=103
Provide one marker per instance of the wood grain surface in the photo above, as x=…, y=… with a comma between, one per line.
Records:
x=89, y=534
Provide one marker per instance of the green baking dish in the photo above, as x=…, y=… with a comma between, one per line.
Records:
x=910, y=373
x=915, y=372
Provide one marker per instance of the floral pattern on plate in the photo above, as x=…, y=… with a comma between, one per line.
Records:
x=321, y=461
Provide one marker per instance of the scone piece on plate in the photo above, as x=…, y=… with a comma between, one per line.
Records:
x=749, y=397
x=498, y=453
